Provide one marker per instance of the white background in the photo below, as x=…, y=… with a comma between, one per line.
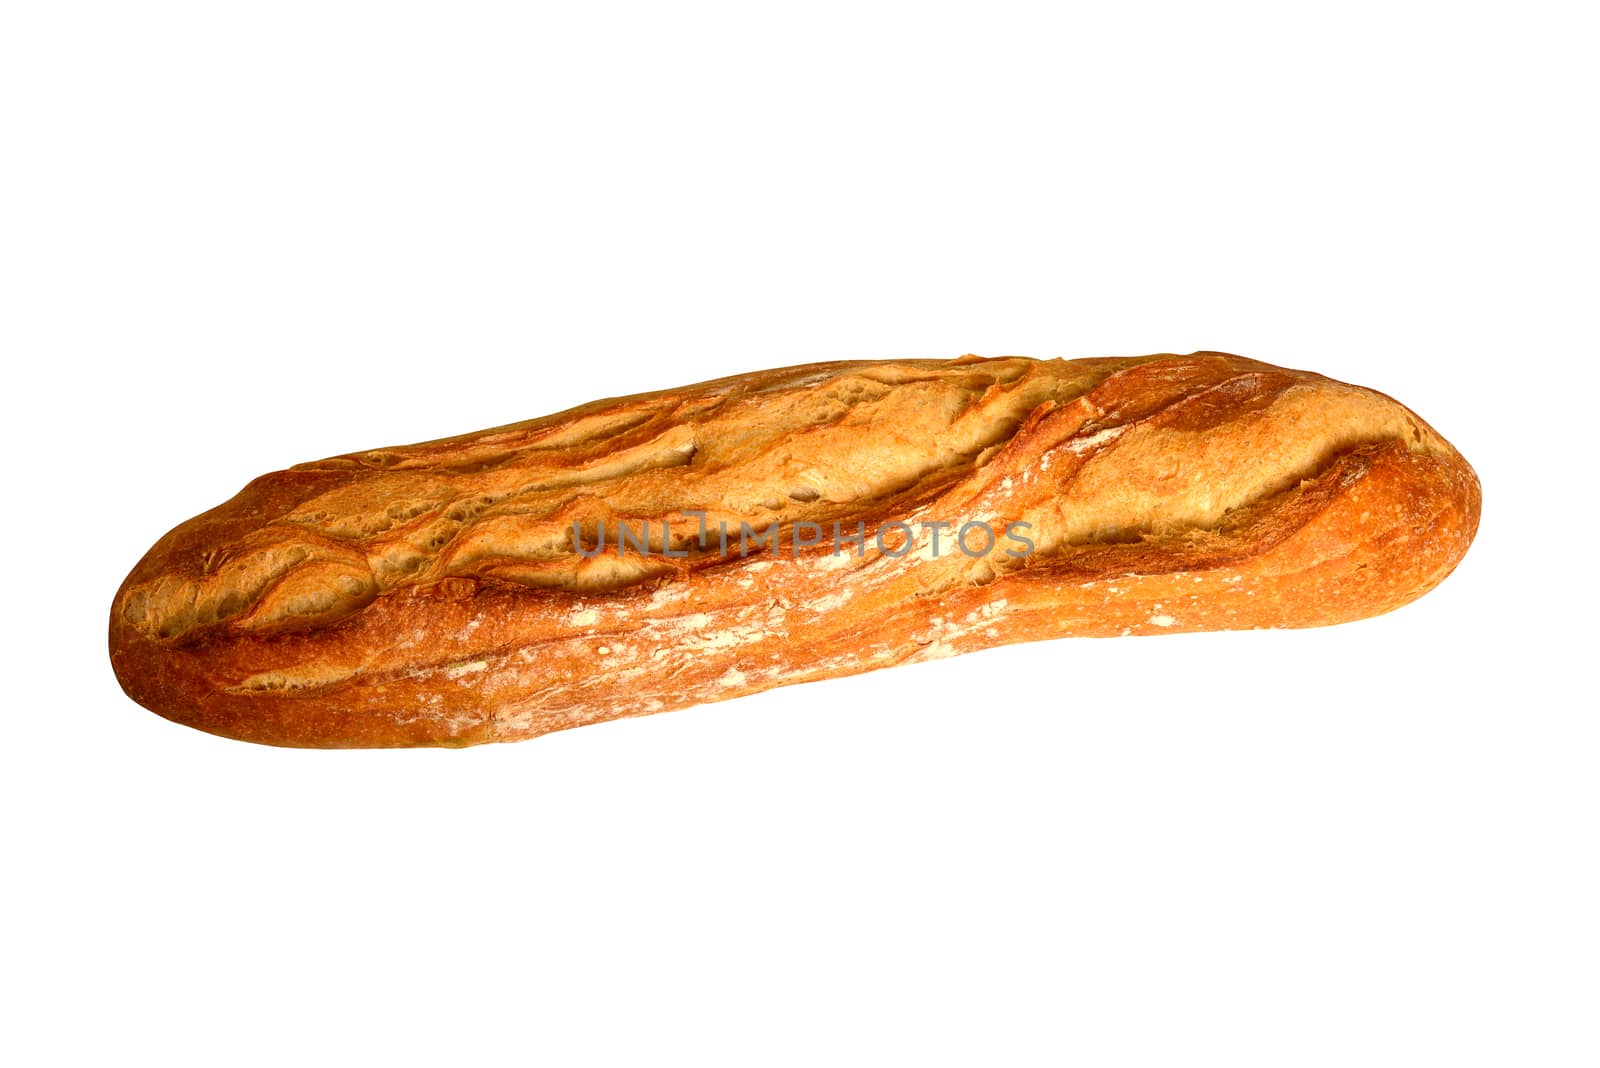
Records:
x=238, y=236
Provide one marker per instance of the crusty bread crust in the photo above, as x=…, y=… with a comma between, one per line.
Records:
x=455, y=592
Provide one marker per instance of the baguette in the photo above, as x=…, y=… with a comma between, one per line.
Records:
x=648, y=553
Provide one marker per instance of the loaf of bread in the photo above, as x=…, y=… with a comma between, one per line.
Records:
x=642, y=554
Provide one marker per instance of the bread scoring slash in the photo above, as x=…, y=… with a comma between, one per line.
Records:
x=652, y=552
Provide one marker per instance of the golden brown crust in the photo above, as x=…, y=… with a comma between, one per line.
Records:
x=433, y=594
